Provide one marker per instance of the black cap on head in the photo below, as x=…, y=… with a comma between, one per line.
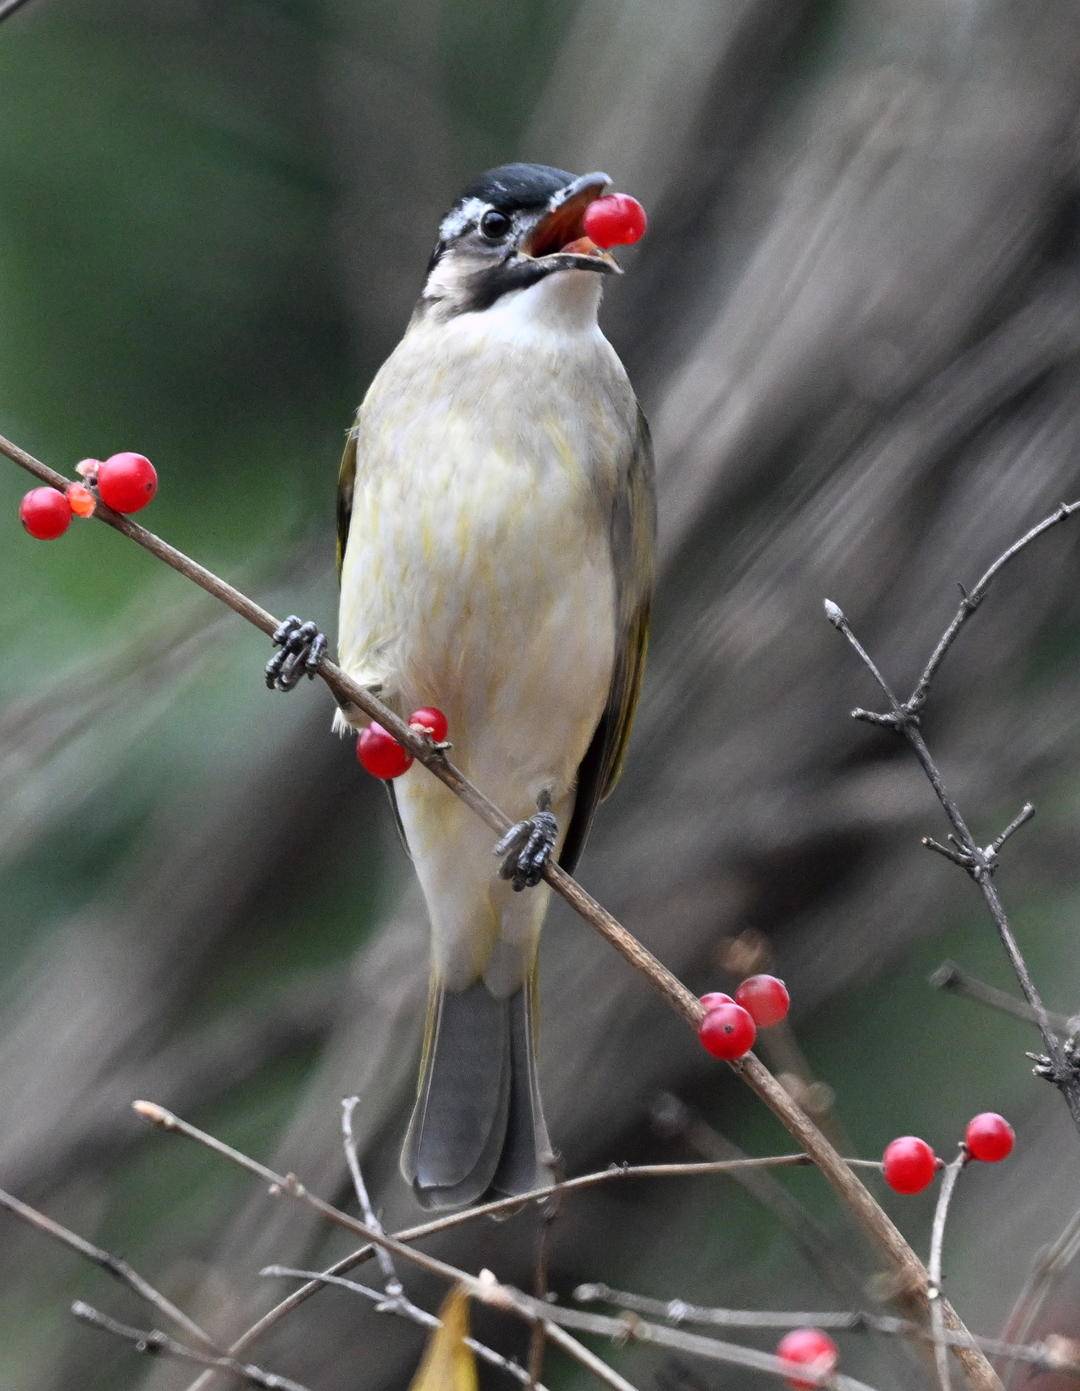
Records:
x=517, y=185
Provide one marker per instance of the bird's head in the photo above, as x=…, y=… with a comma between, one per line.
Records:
x=512, y=229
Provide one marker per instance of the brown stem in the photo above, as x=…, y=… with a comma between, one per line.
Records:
x=905, y=1264
x=973, y=858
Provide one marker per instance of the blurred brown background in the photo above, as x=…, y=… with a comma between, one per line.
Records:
x=854, y=326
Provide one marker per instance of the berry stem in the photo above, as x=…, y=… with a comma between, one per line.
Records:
x=937, y=1244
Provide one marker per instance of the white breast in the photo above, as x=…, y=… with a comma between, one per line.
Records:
x=478, y=574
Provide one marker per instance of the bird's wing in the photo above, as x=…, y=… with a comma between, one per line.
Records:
x=633, y=536
x=346, y=480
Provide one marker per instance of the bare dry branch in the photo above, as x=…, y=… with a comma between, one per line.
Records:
x=1041, y=1356
x=937, y=1248
x=976, y=860
x=403, y=1308
x=956, y=981
x=117, y=1268
x=868, y=1214
x=154, y=1343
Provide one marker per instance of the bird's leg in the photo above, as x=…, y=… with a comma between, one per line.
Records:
x=526, y=847
x=302, y=648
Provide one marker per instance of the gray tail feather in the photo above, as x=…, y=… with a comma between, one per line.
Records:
x=477, y=1128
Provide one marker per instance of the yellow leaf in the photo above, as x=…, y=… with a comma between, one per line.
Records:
x=448, y=1364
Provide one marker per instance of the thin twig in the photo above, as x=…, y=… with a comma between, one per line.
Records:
x=624, y=1330
x=971, y=600
x=829, y=1256
x=978, y=862
x=403, y=1308
x=487, y=1290
x=287, y=1185
x=678, y=1312
x=8, y=8
x=634, y=1330
x=507, y=1207
x=933, y=1265
x=153, y=1342
x=1048, y=1265
x=392, y=1281
x=905, y=1265
x=117, y=1268
x=956, y=981
x=549, y=1211
x=588, y=1360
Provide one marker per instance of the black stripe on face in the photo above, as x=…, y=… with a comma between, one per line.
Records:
x=491, y=284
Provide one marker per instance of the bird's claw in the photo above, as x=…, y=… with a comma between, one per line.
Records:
x=526, y=848
x=302, y=647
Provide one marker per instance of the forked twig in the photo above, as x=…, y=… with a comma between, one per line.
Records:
x=1041, y=1356
x=937, y=1247
x=153, y=1342
x=117, y=1268
x=403, y=1308
x=978, y=861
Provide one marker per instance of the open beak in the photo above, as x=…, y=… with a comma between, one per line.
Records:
x=559, y=235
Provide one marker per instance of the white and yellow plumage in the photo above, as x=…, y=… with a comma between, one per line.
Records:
x=497, y=563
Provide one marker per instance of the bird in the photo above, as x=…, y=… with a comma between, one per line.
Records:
x=496, y=537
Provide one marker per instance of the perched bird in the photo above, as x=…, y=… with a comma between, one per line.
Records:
x=496, y=524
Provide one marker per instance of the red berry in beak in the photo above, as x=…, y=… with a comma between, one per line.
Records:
x=617, y=220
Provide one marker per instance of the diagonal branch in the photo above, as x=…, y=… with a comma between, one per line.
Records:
x=403, y=1308
x=868, y=1214
x=117, y=1268
x=155, y=1343
x=971, y=599
x=977, y=861
x=1043, y=1357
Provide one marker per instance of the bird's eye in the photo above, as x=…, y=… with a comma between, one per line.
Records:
x=494, y=225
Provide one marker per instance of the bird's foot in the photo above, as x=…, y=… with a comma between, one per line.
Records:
x=526, y=847
x=302, y=649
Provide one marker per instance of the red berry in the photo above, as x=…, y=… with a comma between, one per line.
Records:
x=908, y=1164
x=81, y=500
x=617, y=220
x=715, y=998
x=989, y=1137
x=727, y=1032
x=432, y=720
x=127, y=482
x=765, y=999
x=809, y=1348
x=381, y=754
x=88, y=469
x=45, y=513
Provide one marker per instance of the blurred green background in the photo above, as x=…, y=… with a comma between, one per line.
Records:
x=854, y=327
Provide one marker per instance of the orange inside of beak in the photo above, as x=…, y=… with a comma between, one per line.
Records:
x=562, y=231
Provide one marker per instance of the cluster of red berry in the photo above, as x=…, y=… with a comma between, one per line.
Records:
x=731, y=1022
x=909, y=1164
x=125, y=482
x=383, y=757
